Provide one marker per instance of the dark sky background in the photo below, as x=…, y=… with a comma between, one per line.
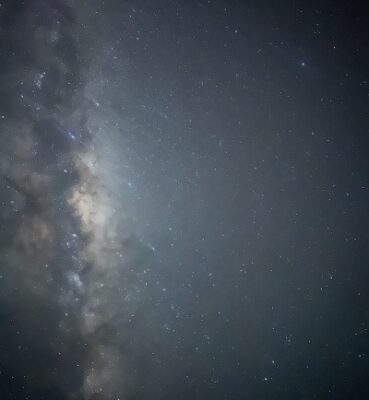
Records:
x=184, y=192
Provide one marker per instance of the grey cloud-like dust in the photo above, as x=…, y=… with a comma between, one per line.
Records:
x=66, y=242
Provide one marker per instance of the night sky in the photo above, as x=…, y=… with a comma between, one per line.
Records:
x=184, y=198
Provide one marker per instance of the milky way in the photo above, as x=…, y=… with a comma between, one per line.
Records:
x=65, y=239
x=183, y=200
